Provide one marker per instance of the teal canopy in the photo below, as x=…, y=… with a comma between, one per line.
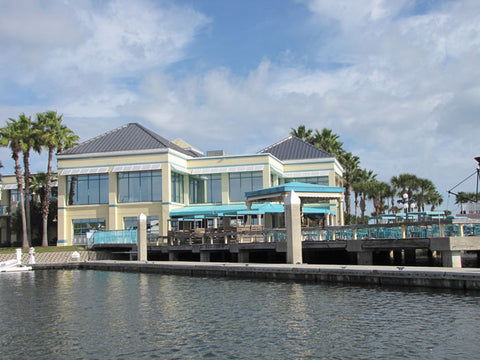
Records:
x=297, y=187
x=233, y=210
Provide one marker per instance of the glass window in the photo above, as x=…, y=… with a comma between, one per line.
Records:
x=240, y=183
x=177, y=187
x=82, y=226
x=197, y=189
x=214, y=188
x=139, y=186
x=87, y=189
x=320, y=180
x=205, y=189
x=130, y=223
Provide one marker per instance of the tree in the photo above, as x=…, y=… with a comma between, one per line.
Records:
x=351, y=165
x=29, y=141
x=361, y=176
x=302, y=133
x=328, y=141
x=465, y=198
x=11, y=136
x=434, y=199
x=54, y=136
x=378, y=191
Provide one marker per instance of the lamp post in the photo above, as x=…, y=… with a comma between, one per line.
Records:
x=407, y=202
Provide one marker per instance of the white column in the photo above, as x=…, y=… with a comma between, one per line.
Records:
x=142, y=237
x=293, y=227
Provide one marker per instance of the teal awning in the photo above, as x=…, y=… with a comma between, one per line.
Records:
x=199, y=212
x=297, y=187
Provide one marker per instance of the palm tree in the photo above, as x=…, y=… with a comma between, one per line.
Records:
x=328, y=141
x=28, y=142
x=464, y=198
x=434, y=199
x=37, y=186
x=302, y=133
x=378, y=191
x=54, y=136
x=405, y=182
x=361, y=176
x=351, y=164
x=425, y=189
x=11, y=136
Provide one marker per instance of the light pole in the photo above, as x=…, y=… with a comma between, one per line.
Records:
x=407, y=202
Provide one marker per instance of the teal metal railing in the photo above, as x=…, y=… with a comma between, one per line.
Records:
x=115, y=237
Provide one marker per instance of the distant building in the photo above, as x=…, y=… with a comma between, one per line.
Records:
x=106, y=182
x=9, y=200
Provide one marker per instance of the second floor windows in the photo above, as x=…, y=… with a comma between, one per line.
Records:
x=205, y=189
x=87, y=189
x=139, y=186
x=240, y=183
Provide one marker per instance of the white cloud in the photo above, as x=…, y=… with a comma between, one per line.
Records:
x=405, y=100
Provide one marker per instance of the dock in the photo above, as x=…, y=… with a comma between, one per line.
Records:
x=445, y=278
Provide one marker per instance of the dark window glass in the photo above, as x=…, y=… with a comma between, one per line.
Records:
x=177, y=188
x=82, y=226
x=319, y=180
x=240, y=183
x=87, y=189
x=138, y=186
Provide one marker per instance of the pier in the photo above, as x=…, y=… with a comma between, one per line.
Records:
x=441, y=242
x=459, y=279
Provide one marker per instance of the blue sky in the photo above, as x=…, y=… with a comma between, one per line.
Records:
x=397, y=80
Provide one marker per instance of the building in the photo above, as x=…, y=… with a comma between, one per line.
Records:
x=106, y=182
x=9, y=200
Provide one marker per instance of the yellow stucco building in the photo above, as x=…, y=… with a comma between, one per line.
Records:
x=106, y=182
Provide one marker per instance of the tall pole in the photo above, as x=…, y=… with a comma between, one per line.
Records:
x=478, y=177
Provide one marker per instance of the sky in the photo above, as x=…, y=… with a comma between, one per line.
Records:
x=399, y=81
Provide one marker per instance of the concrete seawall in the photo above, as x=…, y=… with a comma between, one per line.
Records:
x=446, y=278
x=59, y=256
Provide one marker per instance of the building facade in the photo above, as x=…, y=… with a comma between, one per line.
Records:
x=106, y=182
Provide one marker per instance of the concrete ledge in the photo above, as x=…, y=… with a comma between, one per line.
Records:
x=462, y=279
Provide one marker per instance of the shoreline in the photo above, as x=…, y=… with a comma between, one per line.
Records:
x=409, y=276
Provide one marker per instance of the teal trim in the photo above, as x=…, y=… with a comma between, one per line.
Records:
x=61, y=241
x=297, y=187
x=62, y=208
x=113, y=205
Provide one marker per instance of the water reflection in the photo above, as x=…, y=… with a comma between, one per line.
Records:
x=108, y=315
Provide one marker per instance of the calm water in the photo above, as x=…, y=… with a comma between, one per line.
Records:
x=109, y=315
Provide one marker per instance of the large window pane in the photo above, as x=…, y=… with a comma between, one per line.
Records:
x=319, y=180
x=240, y=183
x=87, y=189
x=140, y=186
x=177, y=187
x=214, y=189
x=82, y=226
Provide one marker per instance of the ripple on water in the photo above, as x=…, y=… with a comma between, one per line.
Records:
x=108, y=315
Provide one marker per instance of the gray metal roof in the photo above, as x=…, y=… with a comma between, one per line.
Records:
x=293, y=148
x=132, y=136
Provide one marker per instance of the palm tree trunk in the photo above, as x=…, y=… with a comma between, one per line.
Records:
x=18, y=175
x=46, y=199
x=26, y=167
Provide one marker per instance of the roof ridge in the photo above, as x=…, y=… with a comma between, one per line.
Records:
x=152, y=134
x=277, y=143
x=317, y=148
